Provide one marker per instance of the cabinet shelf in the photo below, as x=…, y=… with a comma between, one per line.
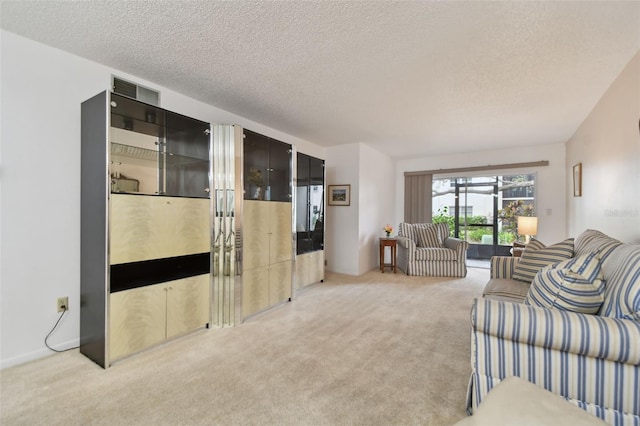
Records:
x=149, y=158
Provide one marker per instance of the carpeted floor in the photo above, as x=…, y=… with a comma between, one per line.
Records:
x=379, y=349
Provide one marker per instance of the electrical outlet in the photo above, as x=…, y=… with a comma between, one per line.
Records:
x=63, y=304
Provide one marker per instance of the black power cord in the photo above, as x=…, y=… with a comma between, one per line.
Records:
x=64, y=311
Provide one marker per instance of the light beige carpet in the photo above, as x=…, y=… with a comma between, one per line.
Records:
x=379, y=349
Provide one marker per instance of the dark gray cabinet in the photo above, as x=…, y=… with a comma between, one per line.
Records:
x=145, y=226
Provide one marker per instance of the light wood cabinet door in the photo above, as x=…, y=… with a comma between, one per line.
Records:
x=309, y=268
x=302, y=270
x=267, y=254
x=280, y=243
x=137, y=319
x=187, y=304
x=154, y=227
x=145, y=316
x=279, y=282
x=256, y=229
x=255, y=290
x=267, y=236
x=316, y=266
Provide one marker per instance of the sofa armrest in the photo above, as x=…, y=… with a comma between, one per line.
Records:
x=581, y=334
x=458, y=245
x=406, y=253
x=405, y=242
x=503, y=266
x=592, y=361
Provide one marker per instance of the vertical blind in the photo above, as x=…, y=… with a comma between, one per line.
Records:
x=417, y=198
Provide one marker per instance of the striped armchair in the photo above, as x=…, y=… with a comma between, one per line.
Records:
x=591, y=360
x=426, y=249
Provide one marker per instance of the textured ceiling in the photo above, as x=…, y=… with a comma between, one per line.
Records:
x=410, y=78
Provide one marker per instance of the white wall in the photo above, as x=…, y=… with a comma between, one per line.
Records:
x=376, y=199
x=341, y=232
x=42, y=89
x=550, y=197
x=351, y=239
x=608, y=146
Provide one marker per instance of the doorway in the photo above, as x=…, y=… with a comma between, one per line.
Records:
x=482, y=210
x=480, y=230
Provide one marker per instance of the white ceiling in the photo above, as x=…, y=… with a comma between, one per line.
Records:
x=409, y=78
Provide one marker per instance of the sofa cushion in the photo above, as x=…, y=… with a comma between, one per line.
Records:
x=432, y=253
x=622, y=293
x=574, y=285
x=506, y=289
x=428, y=236
x=536, y=256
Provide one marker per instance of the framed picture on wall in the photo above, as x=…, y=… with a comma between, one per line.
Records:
x=577, y=180
x=339, y=195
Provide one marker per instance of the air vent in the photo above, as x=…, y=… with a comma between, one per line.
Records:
x=132, y=90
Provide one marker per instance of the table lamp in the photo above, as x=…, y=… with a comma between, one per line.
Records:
x=527, y=226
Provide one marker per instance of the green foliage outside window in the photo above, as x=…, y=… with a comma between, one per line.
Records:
x=442, y=216
x=508, y=215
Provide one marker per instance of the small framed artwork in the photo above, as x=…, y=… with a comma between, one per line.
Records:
x=577, y=180
x=339, y=195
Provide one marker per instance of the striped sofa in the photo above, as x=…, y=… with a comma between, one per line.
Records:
x=427, y=249
x=591, y=360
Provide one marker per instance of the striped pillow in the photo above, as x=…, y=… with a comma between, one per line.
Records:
x=405, y=230
x=428, y=236
x=536, y=256
x=410, y=230
x=622, y=296
x=575, y=285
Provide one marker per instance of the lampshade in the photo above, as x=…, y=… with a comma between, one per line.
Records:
x=527, y=225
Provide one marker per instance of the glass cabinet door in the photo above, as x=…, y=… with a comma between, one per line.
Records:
x=302, y=205
x=309, y=204
x=187, y=157
x=136, y=137
x=316, y=203
x=279, y=171
x=157, y=152
x=267, y=168
x=256, y=163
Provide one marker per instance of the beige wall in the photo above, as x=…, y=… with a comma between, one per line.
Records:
x=608, y=146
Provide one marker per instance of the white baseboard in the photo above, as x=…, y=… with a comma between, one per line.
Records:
x=38, y=354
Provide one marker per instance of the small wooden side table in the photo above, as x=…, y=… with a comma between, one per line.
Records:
x=392, y=243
